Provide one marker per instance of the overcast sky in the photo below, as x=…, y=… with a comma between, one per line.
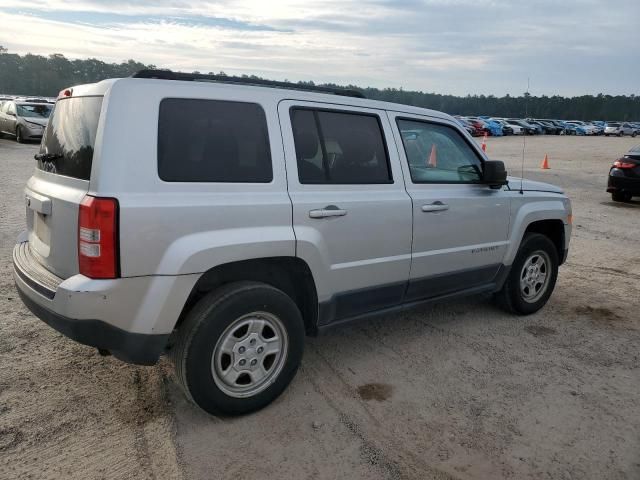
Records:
x=566, y=47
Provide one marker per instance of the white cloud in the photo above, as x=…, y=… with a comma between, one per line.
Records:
x=449, y=46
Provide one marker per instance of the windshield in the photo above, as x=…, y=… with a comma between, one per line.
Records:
x=38, y=110
x=613, y=124
x=70, y=137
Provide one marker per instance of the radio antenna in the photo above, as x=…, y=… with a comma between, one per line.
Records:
x=524, y=135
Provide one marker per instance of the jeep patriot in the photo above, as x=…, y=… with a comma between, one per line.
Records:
x=220, y=220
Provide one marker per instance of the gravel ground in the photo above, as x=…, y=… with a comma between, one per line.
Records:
x=453, y=391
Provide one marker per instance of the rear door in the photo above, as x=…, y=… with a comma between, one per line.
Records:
x=351, y=213
x=460, y=225
x=60, y=182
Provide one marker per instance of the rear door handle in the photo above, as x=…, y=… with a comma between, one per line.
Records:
x=435, y=207
x=328, y=211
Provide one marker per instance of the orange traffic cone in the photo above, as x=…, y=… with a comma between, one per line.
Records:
x=433, y=157
x=484, y=142
x=545, y=163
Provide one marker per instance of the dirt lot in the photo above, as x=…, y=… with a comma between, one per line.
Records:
x=455, y=391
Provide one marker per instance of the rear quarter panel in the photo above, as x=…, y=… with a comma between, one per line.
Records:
x=176, y=228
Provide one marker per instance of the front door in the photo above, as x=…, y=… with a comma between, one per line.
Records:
x=351, y=212
x=460, y=225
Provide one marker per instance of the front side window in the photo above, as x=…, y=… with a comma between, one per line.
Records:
x=213, y=141
x=438, y=154
x=339, y=147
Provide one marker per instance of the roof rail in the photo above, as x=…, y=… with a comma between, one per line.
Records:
x=201, y=77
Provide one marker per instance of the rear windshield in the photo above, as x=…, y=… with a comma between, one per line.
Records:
x=70, y=136
x=613, y=124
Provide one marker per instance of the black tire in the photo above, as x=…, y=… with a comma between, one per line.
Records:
x=19, y=135
x=634, y=134
x=510, y=298
x=206, y=323
x=620, y=197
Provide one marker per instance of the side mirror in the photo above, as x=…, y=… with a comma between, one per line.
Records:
x=494, y=175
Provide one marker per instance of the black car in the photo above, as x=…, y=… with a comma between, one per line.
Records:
x=624, y=176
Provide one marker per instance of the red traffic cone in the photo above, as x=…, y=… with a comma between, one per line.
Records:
x=433, y=157
x=484, y=142
x=545, y=163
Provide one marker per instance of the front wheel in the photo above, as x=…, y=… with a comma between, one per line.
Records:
x=239, y=348
x=19, y=135
x=532, y=277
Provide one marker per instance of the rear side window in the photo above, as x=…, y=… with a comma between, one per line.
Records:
x=339, y=147
x=70, y=137
x=213, y=141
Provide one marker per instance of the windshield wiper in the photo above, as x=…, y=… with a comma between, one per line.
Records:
x=47, y=157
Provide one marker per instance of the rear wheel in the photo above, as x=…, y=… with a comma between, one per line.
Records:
x=532, y=277
x=19, y=135
x=621, y=196
x=239, y=348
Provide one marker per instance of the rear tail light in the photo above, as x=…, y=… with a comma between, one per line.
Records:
x=98, y=237
x=623, y=164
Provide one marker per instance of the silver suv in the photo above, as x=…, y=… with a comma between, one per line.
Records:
x=620, y=129
x=221, y=222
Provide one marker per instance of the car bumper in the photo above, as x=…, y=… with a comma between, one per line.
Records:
x=623, y=184
x=132, y=318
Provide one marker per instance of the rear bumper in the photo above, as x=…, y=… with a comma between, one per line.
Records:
x=136, y=348
x=623, y=185
x=130, y=317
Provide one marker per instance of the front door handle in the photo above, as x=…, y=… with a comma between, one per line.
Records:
x=328, y=211
x=437, y=206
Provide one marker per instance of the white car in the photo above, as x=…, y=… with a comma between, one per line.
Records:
x=517, y=129
x=620, y=129
x=588, y=128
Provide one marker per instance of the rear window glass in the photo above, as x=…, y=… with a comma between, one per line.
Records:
x=213, y=141
x=70, y=136
x=339, y=147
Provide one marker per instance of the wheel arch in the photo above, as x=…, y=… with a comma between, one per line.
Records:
x=554, y=230
x=292, y=275
x=547, y=217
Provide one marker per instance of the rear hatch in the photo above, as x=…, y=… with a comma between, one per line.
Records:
x=60, y=182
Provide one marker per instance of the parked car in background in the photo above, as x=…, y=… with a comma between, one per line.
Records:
x=495, y=128
x=479, y=125
x=506, y=128
x=475, y=130
x=527, y=129
x=588, y=128
x=545, y=128
x=624, y=176
x=620, y=129
x=467, y=126
x=24, y=120
x=491, y=128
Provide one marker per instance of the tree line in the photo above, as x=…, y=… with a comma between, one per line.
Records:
x=46, y=76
